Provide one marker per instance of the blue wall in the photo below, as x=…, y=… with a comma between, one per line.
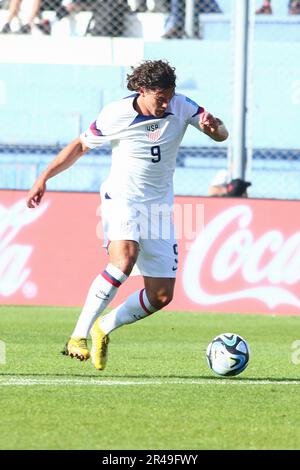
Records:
x=48, y=103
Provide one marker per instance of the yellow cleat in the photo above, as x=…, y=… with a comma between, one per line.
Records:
x=99, y=347
x=77, y=347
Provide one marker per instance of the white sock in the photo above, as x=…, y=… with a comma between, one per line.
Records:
x=101, y=293
x=136, y=307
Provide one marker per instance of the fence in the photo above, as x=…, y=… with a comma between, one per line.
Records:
x=74, y=57
x=132, y=18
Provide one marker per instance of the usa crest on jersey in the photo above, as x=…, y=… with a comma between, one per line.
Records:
x=153, y=132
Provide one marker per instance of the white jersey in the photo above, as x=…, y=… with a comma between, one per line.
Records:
x=144, y=148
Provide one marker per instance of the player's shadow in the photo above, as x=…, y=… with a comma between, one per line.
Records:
x=182, y=378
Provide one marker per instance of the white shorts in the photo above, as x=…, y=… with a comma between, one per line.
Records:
x=152, y=230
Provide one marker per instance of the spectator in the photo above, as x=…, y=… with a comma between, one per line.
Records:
x=175, y=25
x=219, y=183
x=266, y=8
x=237, y=188
x=108, y=18
x=66, y=7
x=107, y=15
x=14, y=8
x=223, y=186
x=141, y=6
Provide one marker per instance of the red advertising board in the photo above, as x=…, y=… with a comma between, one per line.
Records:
x=236, y=255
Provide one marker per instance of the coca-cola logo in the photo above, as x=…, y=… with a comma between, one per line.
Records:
x=14, y=270
x=268, y=267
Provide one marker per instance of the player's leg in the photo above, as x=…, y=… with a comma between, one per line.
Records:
x=157, y=262
x=120, y=239
x=158, y=292
x=123, y=255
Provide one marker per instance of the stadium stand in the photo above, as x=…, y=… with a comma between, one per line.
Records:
x=54, y=110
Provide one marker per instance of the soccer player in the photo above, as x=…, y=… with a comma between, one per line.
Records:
x=145, y=130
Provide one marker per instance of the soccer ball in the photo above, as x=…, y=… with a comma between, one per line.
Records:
x=228, y=354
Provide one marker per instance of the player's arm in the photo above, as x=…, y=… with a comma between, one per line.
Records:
x=65, y=158
x=213, y=127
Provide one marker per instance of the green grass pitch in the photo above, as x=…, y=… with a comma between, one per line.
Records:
x=157, y=391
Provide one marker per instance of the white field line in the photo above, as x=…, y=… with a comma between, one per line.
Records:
x=17, y=380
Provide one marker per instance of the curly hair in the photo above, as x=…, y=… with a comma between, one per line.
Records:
x=152, y=74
